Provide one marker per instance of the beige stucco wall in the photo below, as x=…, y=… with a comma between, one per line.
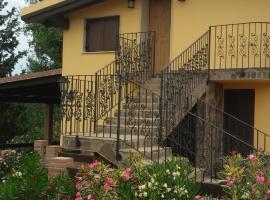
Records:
x=191, y=18
x=262, y=108
x=75, y=60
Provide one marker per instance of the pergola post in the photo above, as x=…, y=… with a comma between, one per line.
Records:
x=48, y=122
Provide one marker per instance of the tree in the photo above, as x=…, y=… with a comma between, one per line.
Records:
x=47, y=45
x=10, y=120
x=9, y=29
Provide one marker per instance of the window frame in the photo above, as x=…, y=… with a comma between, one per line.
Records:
x=86, y=21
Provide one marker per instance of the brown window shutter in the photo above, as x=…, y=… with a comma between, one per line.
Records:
x=111, y=30
x=101, y=34
x=95, y=36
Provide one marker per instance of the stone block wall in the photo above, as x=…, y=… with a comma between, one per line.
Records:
x=49, y=156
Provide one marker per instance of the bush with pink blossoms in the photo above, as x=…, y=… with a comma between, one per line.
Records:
x=100, y=181
x=139, y=181
x=246, y=178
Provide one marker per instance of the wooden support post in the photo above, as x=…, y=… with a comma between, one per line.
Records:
x=48, y=122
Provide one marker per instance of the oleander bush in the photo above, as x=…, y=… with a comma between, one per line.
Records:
x=60, y=187
x=246, y=177
x=138, y=181
x=27, y=179
x=9, y=163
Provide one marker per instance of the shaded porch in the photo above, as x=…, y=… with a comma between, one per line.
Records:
x=37, y=87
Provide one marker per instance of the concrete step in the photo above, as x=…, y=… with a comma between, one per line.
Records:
x=143, y=105
x=155, y=153
x=153, y=80
x=132, y=129
x=78, y=157
x=128, y=140
x=144, y=99
x=134, y=121
x=143, y=113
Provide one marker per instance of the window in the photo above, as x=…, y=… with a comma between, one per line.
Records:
x=101, y=34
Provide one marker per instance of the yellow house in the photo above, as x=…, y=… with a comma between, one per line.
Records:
x=163, y=77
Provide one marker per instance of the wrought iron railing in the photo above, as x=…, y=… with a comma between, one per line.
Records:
x=127, y=41
x=240, y=129
x=240, y=46
x=137, y=122
x=185, y=73
x=113, y=103
x=87, y=100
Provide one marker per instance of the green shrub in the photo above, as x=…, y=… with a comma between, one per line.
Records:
x=167, y=181
x=246, y=178
x=61, y=187
x=138, y=181
x=9, y=163
x=28, y=180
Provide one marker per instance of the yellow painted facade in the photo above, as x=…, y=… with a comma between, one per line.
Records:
x=191, y=18
x=262, y=108
x=75, y=59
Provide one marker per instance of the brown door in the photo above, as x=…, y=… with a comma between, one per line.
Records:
x=240, y=104
x=160, y=22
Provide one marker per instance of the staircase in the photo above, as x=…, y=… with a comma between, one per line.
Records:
x=127, y=108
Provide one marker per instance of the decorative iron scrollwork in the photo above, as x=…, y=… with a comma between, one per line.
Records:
x=231, y=46
x=266, y=45
x=254, y=44
x=106, y=90
x=220, y=47
x=89, y=105
x=242, y=45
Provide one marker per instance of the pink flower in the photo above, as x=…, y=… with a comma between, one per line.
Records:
x=253, y=190
x=127, y=174
x=89, y=197
x=78, y=186
x=268, y=192
x=87, y=184
x=260, y=179
x=261, y=173
x=108, y=183
x=78, y=196
x=252, y=158
x=94, y=165
x=229, y=182
x=233, y=152
x=268, y=183
x=197, y=197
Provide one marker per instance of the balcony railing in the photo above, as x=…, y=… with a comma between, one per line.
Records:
x=240, y=46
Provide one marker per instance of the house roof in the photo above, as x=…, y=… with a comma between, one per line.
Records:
x=37, y=87
x=52, y=12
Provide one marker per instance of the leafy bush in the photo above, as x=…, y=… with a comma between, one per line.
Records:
x=28, y=180
x=246, y=178
x=167, y=181
x=61, y=187
x=9, y=163
x=151, y=182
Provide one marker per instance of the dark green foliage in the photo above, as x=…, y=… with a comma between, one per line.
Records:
x=28, y=180
x=11, y=121
x=47, y=45
x=9, y=29
x=25, y=121
x=60, y=187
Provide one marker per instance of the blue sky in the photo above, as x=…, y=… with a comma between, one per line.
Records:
x=23, y=43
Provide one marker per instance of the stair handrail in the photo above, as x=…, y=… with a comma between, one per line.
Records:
x=83, y=93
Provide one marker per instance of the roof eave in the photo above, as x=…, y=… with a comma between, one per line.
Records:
x=54, y=15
